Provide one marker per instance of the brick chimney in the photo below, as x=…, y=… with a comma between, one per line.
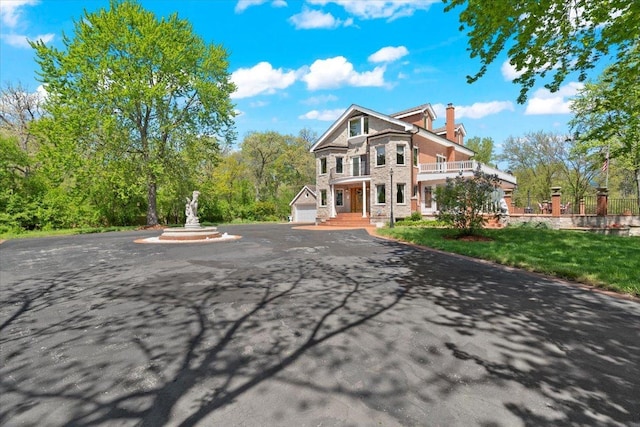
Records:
x=451, y=122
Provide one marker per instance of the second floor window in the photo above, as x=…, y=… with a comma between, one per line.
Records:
x=323, y=165
x=323, y=197
x=400, y=155
x=338, y=164
x=359, y=126
x=380, y=156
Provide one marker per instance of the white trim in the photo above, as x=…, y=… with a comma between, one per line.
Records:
x=305, y=187
x=348, y=112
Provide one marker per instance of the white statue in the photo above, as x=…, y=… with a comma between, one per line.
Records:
x=504, y=209
x=191, y=209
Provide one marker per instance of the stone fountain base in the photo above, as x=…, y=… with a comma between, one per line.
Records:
x=190, y=233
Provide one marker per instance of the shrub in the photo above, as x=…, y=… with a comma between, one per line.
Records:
x=461, y=201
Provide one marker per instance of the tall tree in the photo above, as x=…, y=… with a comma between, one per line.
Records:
x=483, y=148
x=549, y=36
x=128, y=84
x=19, y=108
x=606, y=115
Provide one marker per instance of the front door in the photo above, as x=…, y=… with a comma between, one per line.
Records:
x=356, y=200
x=428, y=203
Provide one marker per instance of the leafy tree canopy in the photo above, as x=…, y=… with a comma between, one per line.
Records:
x=130, y=84
x=550, y=36
x=606, y=115
x=483, y=148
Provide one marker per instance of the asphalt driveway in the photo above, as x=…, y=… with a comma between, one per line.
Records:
x=289, y=327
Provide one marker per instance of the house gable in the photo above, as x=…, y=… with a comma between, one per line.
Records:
x=305, y=196
x=337, y=134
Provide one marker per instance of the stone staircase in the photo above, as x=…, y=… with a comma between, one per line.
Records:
x=350, y=219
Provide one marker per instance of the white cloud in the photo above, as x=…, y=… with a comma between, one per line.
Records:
x=322, y=99
x=386, y=9
x=261, y=79
x=243, y=5
x=258, y=104
x=314, y=19
x=10, y=11
x=477, y=110
x=22, y=41
x=545, y=102
x=324, y=115
x=337, y=71
x=389, y=54
x=509, y=72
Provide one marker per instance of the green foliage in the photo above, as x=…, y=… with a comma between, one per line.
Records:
x=541, y=160
x=606, y=261
x=462, y=201
x=553, y=36
x=606, y=116
x=483, y=148
x=132, y=88
x=415, y=216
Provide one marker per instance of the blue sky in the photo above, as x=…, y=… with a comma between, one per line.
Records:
x=300, y=64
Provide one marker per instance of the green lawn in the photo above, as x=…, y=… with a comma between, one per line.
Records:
x=606, y=261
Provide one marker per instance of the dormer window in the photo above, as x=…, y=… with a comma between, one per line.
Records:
x=358, y=126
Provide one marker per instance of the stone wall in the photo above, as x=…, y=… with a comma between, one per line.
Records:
x=581, y=221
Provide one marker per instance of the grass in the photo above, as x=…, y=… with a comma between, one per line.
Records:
x=62, y=232
x=610, y=262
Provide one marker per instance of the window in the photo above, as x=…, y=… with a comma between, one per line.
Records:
x=380, y=156
x=400, y=154
x=400, y=194
x=323, y=197
x=339, y=198
x=356, y=166
x=415, y=191
x=428, y=197
x=381, y=196
x=441, y=162
x=359, y=126
x=323, y=165
x=415, y=156
x=338, y=164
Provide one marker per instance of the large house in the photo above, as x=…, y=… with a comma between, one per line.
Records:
x=378, y=165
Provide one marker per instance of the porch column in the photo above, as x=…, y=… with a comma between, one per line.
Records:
x=333, y=201
x=555, y=201
x=364, y=199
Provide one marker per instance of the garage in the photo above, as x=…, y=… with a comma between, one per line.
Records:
x=303, y=206
x=304, y=213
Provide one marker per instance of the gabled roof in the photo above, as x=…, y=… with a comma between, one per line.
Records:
x=354, y=109
x=414, y=110
x=457, y=126
x=310, y=188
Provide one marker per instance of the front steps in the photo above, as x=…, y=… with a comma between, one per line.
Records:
x=349, y=219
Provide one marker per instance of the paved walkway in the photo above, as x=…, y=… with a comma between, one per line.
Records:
x=289, y=327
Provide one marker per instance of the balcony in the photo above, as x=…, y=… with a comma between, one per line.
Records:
x=439, y=172
x=352, y=172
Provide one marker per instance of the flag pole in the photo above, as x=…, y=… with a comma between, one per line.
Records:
x=606, y=182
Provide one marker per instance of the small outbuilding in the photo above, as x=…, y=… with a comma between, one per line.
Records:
x=303, y=206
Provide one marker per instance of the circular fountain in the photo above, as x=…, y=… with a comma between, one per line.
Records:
x=192, y=230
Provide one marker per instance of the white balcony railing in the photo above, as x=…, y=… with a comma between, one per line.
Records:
x=451, y=168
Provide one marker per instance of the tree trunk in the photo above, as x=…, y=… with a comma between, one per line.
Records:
x=152, y=214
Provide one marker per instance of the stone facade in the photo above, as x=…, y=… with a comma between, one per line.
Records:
x=353, y=142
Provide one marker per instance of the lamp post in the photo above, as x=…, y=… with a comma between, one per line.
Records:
x=391, y=201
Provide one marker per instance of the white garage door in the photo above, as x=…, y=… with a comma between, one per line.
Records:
x=305, y=213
